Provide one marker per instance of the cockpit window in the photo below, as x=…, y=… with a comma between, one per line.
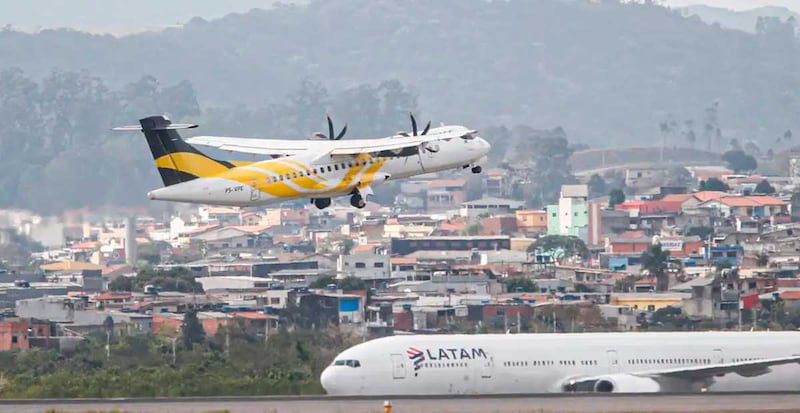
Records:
x=348, y=363
x=468, y=137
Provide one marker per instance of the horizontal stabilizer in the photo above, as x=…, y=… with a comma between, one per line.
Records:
x=171, y=126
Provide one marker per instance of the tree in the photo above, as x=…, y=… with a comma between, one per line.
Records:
x=151, y=252
x=121, y=283
x=679, y=176
x=764, y=187
x=520, y=285
x=739, y=161
x=323, y=282
x=655, y=261
x=191, y=329
x=561, y=246
x=701, y=231
x=714, y=184
x=615, y=197
x=597, y=186
x=352, y=284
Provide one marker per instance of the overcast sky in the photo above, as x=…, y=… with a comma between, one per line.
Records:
x=125, y=16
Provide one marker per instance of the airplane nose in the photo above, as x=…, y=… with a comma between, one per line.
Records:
x=326, y=380
x=485, y=146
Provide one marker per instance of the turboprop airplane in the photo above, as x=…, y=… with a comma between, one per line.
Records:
x=318, y=169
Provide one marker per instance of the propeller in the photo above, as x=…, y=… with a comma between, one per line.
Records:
x=414, y=126
x=330, y=135
x=432, y=148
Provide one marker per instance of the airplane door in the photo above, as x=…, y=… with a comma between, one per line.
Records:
x=255, y=193
x=719, y=356
x=487, y=367
x=398, y=366
x=613, y=361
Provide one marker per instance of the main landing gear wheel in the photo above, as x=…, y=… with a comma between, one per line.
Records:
x=322, y=203
x=357, y=201
x=476, y=169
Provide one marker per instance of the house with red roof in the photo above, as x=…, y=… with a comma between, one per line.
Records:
x=747, y=206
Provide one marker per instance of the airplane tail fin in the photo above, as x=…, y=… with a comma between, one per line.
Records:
x=177, y=161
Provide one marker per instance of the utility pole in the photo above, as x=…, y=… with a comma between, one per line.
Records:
x=519, y=322
x=227, y=343
x=108, y=345
x=174, y=339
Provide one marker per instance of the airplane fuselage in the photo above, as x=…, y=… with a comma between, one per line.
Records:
x=546, y=363
x=317, y=175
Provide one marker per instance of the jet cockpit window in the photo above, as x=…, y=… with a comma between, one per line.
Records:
x=468, y=137
x=348, y=363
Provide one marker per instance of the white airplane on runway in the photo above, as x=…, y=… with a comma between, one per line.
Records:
x=552, y=363
x=317, y=169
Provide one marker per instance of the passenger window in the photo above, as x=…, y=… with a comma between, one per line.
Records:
x=336, y=167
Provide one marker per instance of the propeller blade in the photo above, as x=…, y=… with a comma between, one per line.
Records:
x=330, y=127
x=413, y=123
x=344, y=129
x=427, y=128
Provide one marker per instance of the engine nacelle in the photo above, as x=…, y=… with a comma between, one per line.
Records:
x=625, y=383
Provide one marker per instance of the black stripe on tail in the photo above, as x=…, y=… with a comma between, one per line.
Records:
x=164, y=140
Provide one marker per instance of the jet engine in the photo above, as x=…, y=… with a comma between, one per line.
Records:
x=625, y=383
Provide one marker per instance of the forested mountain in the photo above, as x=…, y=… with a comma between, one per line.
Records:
x=745, y=20
x=602, y=71
x=606, y=73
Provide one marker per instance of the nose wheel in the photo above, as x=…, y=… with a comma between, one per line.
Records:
x=357, y=201
x=477, y=169
x=321, y=203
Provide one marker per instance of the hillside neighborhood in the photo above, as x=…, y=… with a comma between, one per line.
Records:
x=653, y=257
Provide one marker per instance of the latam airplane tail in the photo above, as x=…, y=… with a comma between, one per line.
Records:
x=176, y=160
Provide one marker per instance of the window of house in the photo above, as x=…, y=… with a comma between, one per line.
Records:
x=378, y=265
x=361, y=265
x=336, y=167
x=14, y=339
x=275, y=300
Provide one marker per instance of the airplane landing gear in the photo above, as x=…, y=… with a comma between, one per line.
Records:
x=321, y=203
x=357, y=201
x=477, y=169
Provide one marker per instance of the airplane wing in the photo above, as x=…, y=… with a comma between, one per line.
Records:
x=283, y=147
x=271, y=147
x=649, y=380
x=750, y=368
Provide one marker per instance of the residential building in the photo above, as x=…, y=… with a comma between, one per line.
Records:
x=13, y=334
x=530, y=221
x=365, y=265
x=571, y=215
x=648, y=301
x=445, y=194
x=490, y=206
x=405, y=246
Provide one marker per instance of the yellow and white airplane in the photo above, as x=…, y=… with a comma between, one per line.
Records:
x=318, y=169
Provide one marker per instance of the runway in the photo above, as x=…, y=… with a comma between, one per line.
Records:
x=708, y=403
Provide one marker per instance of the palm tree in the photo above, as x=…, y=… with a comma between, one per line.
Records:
x=655, y=261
